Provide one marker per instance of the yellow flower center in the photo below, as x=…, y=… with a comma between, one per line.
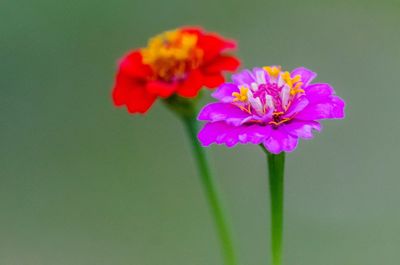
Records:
x=172, y=54
x=272, y=96
x=273, y=71
x=291, y=81
x=242, y=96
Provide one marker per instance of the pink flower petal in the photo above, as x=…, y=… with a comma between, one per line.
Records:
x=280, y=141
x=297, y=106
x=318, y=92
x=227, y=112
x=306, y=75
x=245, y=77
x=302, y=129
x=328, y=108
x=222, y=133
x=224, y=92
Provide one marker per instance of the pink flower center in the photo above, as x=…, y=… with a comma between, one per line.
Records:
x=269, y=99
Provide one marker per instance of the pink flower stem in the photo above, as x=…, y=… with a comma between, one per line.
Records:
x=276, y=165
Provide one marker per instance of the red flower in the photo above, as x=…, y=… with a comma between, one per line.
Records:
x=175, y=62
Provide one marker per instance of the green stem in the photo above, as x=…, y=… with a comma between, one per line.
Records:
x=276, y=165
x=211, y=192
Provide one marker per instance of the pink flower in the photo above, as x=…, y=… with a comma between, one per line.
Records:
x=271, y=107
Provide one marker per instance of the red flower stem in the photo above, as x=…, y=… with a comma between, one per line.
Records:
x=211, y=192
x=276, y=165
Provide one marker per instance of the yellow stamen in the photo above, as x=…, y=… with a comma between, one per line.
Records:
x=279, y=122
x=297, y=89
x=242, y=96
x=248, y=110
x=288, y=80
x=172, y=53
x=293, y=83
x=296, y=79
x=273, y=71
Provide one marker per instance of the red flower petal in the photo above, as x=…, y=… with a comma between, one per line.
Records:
x=139, y=100
x=212, y=81
x=132, y=65
x=191, y=86
x=120, y=91
x=213, y=45
x=132, y=93
x=222, y=63
x=160, y=88
x=193, y=30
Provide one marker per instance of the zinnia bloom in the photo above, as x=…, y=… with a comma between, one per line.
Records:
x=271, y=107
x=179, y=62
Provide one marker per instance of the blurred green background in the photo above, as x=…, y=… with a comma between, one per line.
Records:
x=84, y=183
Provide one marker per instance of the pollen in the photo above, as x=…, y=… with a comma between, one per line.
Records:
x=297, y=89
x=242, y=96
x=288, y=80
x=273, y=70
x=293, y=83
x=172, y=54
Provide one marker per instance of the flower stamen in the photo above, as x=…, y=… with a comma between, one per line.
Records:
x=172, y=54
x=273, y=71
x=264, y=96
x=242, y=95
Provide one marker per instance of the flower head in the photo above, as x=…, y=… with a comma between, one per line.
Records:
x=269, y=106
x=178, y=62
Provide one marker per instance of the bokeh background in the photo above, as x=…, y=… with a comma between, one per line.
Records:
x=84, y=183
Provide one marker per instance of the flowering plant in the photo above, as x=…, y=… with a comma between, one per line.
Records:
x=274, y=109
x=266, y=106
x=175, y=66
